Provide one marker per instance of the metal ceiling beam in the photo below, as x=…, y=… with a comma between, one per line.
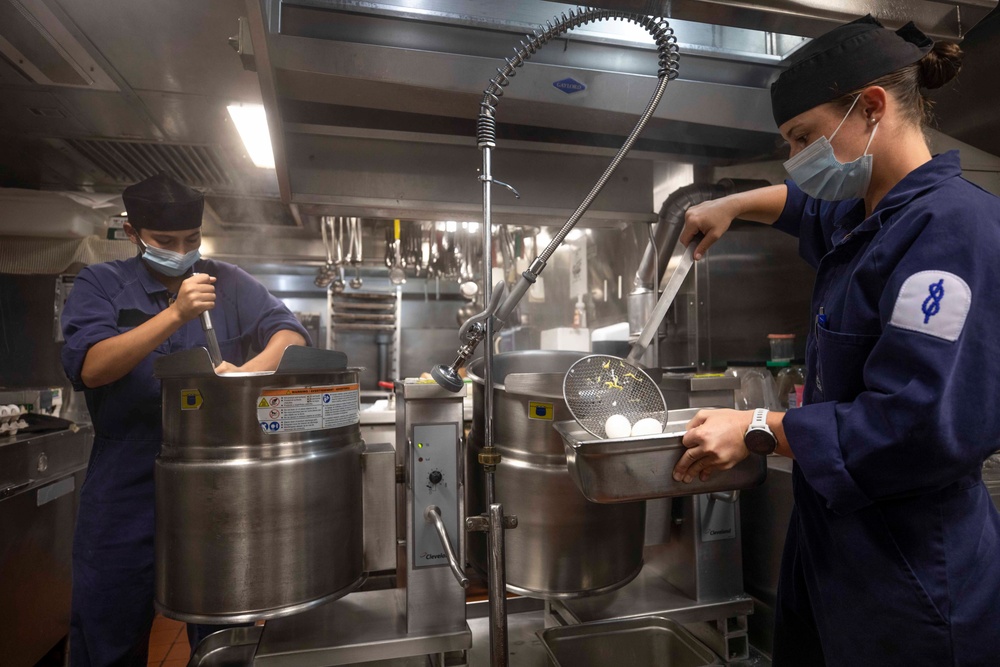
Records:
x=811, y=18
x=259, y=15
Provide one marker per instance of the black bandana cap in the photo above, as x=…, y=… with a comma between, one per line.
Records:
x=164, y=204
x=844, y=59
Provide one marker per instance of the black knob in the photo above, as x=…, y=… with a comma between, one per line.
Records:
x=434, y=477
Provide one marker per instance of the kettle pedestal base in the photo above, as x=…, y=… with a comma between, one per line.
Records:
x=361, y=627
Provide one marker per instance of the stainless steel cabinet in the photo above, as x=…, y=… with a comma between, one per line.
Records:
x=40, y=480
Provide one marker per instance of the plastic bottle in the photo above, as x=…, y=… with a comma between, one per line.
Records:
x=757, y=387
x=791, y=382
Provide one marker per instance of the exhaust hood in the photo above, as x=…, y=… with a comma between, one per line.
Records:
x=372, y=104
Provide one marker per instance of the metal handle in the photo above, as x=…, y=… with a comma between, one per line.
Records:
x=214, y=352
x=725, y=496
x=433, y=516
x=7, y=492
x=669, y=294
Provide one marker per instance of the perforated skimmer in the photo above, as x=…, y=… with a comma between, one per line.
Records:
x=599, y=386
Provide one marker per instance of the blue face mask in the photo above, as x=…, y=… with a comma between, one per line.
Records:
x=819, y=174
x=168, y=262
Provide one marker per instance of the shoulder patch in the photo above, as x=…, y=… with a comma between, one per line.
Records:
x=933, y=302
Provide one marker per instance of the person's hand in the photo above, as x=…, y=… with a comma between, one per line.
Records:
x=714, y=440
x=226, y=367
x=196, y=295
x=712, y=219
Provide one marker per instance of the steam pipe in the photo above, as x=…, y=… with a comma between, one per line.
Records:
x=643, y=297
x=671, y=221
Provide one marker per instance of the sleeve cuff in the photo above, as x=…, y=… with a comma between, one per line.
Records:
x=72, y=360
x=279, y=321
x=812, y=434
x=790, y=219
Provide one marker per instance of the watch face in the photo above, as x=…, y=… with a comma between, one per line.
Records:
x=760, y=441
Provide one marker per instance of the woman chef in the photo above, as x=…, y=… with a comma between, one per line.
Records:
x=893, y=550
x=119, y=318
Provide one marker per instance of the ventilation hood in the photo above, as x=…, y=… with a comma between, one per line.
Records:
x=371, y=103
x=390, y=89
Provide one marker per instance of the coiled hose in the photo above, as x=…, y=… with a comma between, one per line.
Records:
x=667, y=70
x=481, y=326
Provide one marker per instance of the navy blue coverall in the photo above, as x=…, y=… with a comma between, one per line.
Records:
x=113, y=546
x=893, y=550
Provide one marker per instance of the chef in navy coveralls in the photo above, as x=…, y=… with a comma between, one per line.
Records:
x=119, y=318
x=893, y=550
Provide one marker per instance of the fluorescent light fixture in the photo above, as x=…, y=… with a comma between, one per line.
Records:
x=251, y=123
x=574, y=235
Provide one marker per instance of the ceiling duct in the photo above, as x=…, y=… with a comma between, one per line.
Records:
x=44, y=51
x=129, y=162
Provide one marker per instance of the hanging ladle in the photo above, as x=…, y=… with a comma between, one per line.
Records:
x=355, y=225
x=396, y=274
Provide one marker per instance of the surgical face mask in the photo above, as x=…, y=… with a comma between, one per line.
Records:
x=818, y=172
x=168, y=262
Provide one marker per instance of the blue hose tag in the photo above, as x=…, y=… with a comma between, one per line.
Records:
x=569, y=86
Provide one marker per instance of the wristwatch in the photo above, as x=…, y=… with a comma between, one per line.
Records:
x=759, y=439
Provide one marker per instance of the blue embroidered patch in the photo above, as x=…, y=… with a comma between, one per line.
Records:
x=932, y=304
x=935, y=303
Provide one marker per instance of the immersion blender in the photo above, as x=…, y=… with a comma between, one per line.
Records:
x=214, y=353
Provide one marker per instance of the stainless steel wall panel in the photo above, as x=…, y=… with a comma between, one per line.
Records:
x=752, y=283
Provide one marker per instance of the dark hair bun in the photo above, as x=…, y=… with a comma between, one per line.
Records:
x=940, y=65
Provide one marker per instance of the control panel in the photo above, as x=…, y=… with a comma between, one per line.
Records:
x=434, y=463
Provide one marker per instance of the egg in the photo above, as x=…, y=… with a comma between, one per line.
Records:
x=617, y=426
x=647, y=426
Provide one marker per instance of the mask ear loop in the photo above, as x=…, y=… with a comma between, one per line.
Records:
x=868, y=145
x=844, y=119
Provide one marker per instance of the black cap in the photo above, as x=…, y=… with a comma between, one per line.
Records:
x=164, y=204
x=845, y=59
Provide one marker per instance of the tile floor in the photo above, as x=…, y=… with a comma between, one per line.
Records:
x=168, y=643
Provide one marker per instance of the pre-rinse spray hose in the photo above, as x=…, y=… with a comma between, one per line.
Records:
x=667, y=50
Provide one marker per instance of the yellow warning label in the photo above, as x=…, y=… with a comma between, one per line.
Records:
x=298, y=409
x=190, y=399
x=544, y=411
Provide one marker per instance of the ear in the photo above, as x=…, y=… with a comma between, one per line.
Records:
x=873, y=103
x=131, y=232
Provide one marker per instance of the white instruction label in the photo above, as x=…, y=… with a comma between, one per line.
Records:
x=298, y=409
